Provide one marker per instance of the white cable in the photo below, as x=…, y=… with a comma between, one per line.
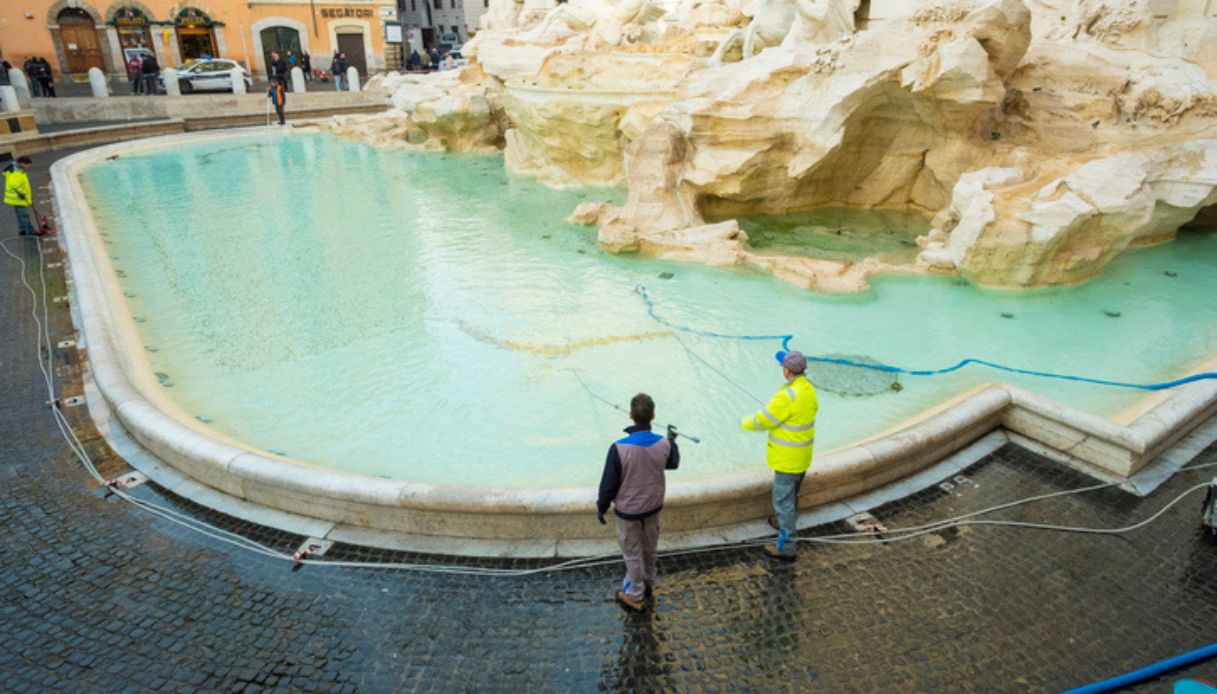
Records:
x=236, y=540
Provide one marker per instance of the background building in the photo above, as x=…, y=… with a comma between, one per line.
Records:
x=75, y=35
x=438, y=21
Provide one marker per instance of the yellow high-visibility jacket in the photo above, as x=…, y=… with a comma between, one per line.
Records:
x=790, y=419
x=16, y=181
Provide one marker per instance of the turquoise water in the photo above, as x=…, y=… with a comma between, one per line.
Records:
x=418, y=316
x=839, y=234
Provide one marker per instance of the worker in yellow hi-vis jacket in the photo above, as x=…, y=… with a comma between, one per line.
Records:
x=17, y=193
x=790, y=419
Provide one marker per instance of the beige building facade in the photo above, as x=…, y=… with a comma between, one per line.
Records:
x=76, y=35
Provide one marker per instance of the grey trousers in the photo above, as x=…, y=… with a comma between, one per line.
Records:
x=24, y=226
x=786, y=507
x=639, y=540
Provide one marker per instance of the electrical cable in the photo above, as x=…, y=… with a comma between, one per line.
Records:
x=227, y=537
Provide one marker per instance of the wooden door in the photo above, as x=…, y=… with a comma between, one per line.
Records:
x=81, y=46
x=352, y=45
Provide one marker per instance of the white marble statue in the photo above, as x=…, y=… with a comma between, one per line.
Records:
x=768, y=28
x=790, y=23
x=701, y=13
x=503, y=14
x=821, y=21
x=604, y=22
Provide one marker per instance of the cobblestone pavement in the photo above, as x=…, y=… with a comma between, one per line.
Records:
x=96, y=595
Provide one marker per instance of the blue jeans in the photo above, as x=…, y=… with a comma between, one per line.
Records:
x=786, y=507
x=24, y=227
x=337, y=82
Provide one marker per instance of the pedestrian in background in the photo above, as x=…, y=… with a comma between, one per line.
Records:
x=5, y=66
x=17, y=193
x=30, y=68
x=150, y=69
x=338, y=68
x=790, y=419
x=306, y=65
x=46, y=78
x=633, y=482
x=135, y=71
x=278, y=69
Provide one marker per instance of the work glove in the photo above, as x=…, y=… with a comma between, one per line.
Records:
x=671, y=433
x=600, y=517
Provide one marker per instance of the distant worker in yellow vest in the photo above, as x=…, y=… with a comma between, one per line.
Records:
x=790, y=419
x=17, y=193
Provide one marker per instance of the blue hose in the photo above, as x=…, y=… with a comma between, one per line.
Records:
x=1145, y=673
x=1203, y=376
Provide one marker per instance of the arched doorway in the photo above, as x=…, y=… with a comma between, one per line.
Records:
x=279, y=39
x=81, y=45
x=131, y=27
x=196, y=36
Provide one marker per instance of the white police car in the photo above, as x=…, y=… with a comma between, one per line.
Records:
x=208, y=75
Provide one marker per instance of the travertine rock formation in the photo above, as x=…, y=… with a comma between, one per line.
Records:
x=1043, y=136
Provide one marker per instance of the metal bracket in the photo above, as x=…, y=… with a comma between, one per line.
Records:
x=311, y=548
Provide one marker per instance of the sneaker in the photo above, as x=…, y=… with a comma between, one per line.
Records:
x=772, y=551
x=630, y=603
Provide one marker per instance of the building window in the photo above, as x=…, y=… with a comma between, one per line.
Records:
x=414, y=8
x=453, y=3
x=439, y=4
x=485, y=3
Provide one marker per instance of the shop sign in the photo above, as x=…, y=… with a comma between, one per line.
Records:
x=191, y=17
x=343, y=12
x=130, y=17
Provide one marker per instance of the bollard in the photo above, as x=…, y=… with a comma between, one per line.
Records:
x=353, y=78
x=8, y=99
x=297, y=80
x=238, y=80
x=172, y=88
x=20, y=82
x=97, y=82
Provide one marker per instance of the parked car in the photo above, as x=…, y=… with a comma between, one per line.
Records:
x=208, y=75
x=450, y=42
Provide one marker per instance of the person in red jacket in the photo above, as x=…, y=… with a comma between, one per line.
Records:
x=633, y=482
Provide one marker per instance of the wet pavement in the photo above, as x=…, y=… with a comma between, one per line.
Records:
x=97, y=595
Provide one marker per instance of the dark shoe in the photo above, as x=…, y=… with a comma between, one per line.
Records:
x=773, y=522
x=630, y=603
x=772, y=551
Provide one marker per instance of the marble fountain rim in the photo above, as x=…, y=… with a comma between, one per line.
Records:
x=126, y=393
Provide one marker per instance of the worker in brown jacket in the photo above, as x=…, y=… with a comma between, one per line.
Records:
x=633, y=482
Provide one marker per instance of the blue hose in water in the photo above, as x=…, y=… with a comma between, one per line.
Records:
x=1206, y=375
x=1145, y=673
